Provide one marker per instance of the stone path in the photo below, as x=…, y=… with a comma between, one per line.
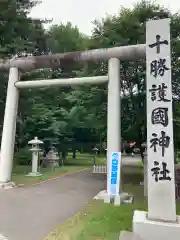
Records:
x=31, y=213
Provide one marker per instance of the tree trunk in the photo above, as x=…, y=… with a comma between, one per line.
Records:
x=74, y=154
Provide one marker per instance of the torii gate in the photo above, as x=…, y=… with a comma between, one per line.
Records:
x=18, y=65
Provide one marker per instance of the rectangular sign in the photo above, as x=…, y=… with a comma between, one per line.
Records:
x=114, y=173
x=160, y=146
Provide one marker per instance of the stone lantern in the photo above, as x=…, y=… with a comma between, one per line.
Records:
x=35, y=156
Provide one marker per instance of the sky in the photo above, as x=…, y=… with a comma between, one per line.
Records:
x=82, y=12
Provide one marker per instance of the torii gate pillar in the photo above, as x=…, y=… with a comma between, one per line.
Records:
x=9, y=127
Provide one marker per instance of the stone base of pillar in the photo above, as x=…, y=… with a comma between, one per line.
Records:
x=34, y=174
x=124, y=235
x=7, y=185
x=145, y=188
x=117, y=200
x=148, y=230
x=3, y=237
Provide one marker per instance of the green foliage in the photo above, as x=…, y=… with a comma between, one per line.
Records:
x=128, y=28
x=23, y=157
x=18, y=32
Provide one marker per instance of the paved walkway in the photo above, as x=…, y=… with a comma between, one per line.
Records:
x=131, y=161
x=31, y=213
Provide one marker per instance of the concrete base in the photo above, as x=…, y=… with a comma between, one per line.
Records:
x=148, y=230
x=117, y=200
x=124, y=235
x=34, y=174
x=106, y=198
x=2, y=237
x=7, y=185
x=101, y=195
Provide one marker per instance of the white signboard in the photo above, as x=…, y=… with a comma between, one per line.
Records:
x=114, y=173
x=160, y=146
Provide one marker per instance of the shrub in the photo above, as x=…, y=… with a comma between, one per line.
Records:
x=23, y=156
x=140, y=164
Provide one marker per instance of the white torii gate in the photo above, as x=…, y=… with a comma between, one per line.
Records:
x=18, y=65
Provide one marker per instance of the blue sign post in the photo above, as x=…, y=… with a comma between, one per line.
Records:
x=114, y=173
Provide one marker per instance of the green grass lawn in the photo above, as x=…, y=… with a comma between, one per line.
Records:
x=84, y=159
x=100, y=221
x=20, y=178
x=71, y=165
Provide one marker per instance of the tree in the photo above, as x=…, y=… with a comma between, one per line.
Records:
x=16, y=27
x=128, y=28
x=18, y=36
x=47, y=112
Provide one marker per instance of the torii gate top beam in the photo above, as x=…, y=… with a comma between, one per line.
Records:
x=61, y=59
